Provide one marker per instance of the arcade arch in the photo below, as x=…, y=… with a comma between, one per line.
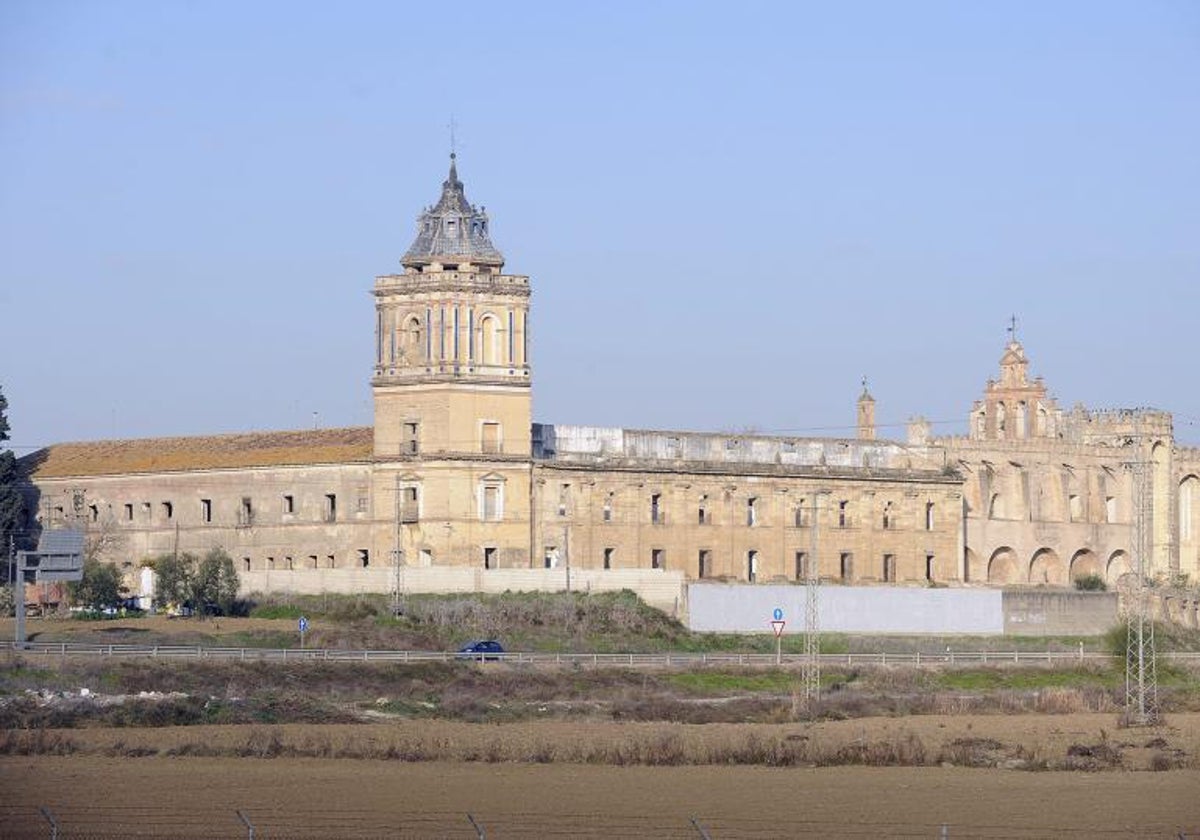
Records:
x=1046, y=568
x=1085, y=563
x=1003, y=567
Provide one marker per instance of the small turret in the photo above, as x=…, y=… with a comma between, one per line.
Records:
x=866, y=414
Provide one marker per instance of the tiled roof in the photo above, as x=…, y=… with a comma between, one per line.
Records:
x=250, y=449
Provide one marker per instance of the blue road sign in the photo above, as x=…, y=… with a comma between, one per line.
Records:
x=778, y=614
x=303, y=624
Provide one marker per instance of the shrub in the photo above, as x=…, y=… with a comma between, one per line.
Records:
x=1090, y=583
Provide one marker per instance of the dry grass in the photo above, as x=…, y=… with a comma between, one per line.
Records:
x=1032, y=743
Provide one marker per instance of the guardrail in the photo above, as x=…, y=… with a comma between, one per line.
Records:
x=663, y=659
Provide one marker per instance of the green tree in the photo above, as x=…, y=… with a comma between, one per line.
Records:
x=12, y=502
x=100, y=587
x=197, y=582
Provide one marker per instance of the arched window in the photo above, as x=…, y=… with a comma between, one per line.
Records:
x=1187, y=495
x=1001, y=418
x=489, y=346
x=1022, y=429
x=412, y=340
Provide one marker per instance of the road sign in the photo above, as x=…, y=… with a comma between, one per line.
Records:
x=303, y=624
x=777, y=626
x=778, y=614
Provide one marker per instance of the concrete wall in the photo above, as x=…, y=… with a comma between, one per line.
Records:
x=661, y=589
x=1049, y=613
x=740, y=609
x=847, y=609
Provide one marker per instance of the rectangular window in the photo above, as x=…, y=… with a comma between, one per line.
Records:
x=889, y=568
x=550, y=557
x=801, y=566
x=801, y=514
x=364, y=558
x=929, y=516
x=564, y=497
x=1110, y=508
x=752, y=511
x=847, y=567
x=491, y=502
x=168, y=510
x=490, y=437
x=288, y=564
x=704, y=564
x=246, y=563
x=489, y=557
x=94, y=512
x=289, y=505
x=658, y=558
x=657, y=515
x=330, y=507
x=608, y=557
x=206, y=510
x=128, y=512
x=246, y=512
x=929, y=567
x=409, y=505
x=146, y=508
x=331, y=561
x=312, y=561
x=411, y=443
x=752, y=565
x=607, y=512
x=362, y=503
x=843, y=514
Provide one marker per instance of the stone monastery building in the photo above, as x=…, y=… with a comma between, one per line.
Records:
x=454, y=487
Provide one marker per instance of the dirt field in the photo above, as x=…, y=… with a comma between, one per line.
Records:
x=340, y=798
x=514, y=779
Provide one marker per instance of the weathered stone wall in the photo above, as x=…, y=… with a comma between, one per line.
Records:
x=710, y=521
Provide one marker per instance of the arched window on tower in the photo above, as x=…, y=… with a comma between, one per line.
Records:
x=1001, y=419
x=489, y=340
x=412, y=340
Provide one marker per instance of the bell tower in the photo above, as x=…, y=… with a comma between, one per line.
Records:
x=451, y=386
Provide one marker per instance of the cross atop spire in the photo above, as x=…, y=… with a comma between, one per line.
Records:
x=453, y=147
x=1012, y=329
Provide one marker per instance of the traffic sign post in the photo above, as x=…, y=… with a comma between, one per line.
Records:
x=777, y=625
x=303, y=625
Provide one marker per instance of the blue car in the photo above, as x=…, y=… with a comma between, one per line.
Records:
x=488, y=649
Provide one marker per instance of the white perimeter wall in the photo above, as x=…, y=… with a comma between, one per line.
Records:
x=730, y=608
x=659, y=588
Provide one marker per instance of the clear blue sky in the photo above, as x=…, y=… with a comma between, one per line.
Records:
x=730, y=212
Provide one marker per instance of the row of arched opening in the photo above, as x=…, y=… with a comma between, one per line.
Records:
x=1046, y=567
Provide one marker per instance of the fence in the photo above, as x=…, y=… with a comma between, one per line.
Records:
x=111, y=823
x=662, y=659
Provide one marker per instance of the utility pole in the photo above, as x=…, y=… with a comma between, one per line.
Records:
x=1141, y=668
x=812, y=619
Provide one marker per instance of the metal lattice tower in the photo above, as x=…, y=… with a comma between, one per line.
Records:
x=812, y=617
x=1141, y=669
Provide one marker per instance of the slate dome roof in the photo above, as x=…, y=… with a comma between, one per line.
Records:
x=452, y=231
